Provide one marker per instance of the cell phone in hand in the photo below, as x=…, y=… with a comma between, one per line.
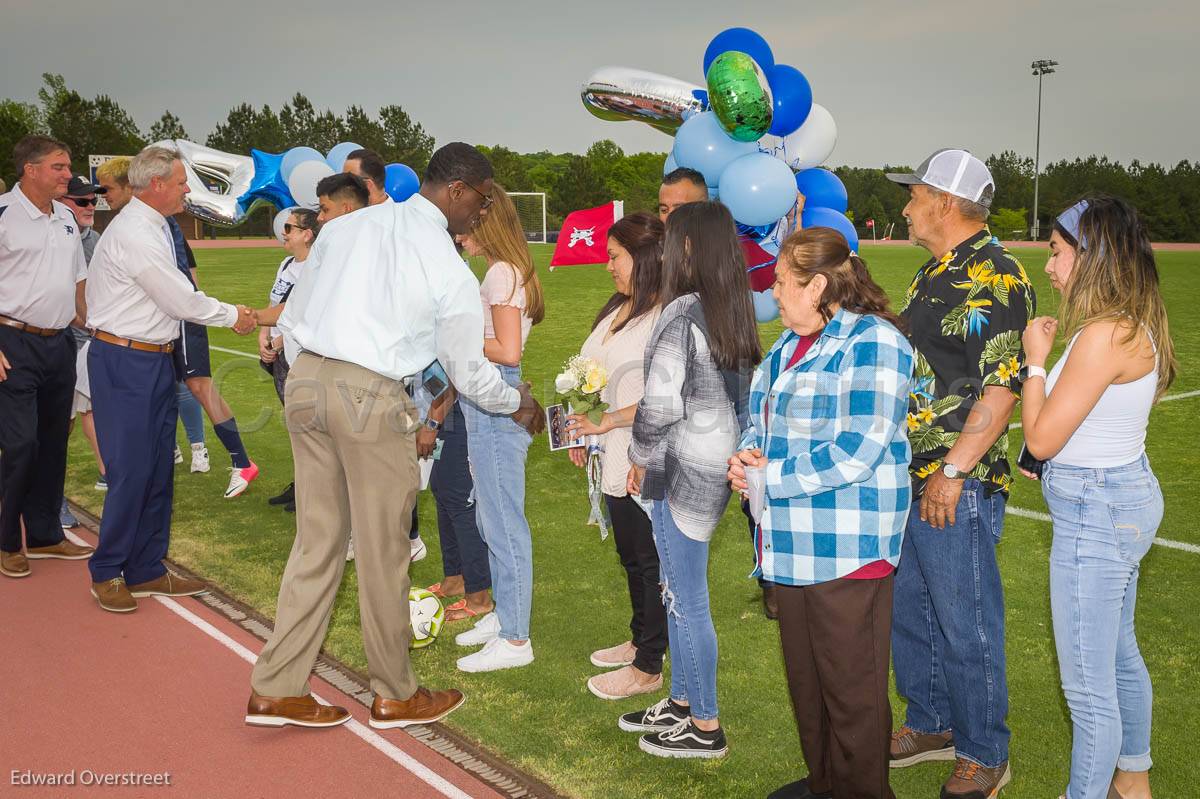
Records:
x=434, y=380
x=1030, y=463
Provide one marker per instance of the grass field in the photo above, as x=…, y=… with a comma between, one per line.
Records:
x=542, y=718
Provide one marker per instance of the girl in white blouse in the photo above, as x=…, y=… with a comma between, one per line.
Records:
x=618, y=341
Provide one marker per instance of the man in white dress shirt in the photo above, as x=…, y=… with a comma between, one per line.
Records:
x=136, y=298
x=42, y=269
x=383, y=295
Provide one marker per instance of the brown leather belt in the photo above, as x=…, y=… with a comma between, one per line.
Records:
x=34, y=329
x=109, y=338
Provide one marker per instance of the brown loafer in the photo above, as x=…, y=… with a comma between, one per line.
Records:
x=170, y=584
x=423, y=707
x=14, y=564
x=299, y=711
x=113, y=596
x=63, y=550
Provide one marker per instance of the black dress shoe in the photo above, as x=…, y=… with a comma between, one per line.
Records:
x=770, y=604
x=287, y=495
x=799, y=790
x=290, y=507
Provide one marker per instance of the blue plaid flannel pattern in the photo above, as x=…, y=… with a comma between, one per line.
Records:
x=836, y=442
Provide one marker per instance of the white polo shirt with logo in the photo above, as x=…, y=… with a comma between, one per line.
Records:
x=41, y=260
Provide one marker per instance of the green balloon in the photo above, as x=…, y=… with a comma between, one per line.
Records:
x=739, y=94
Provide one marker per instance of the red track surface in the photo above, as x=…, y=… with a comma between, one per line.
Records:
x=83, y=689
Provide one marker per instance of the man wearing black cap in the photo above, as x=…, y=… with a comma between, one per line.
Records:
x=42, y=270
x=966, y=309
x=81, y=199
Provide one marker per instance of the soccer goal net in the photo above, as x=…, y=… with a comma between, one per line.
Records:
x=531, y=209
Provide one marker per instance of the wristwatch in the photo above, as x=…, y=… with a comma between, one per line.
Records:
x=1029, y=370
x=433, y=424
x=953, y=472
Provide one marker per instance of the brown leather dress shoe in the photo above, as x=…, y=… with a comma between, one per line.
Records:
x=14, y=564
x=423, y=707
x=299, y=711
x=63, y=550
x=114, y=596
x=170, y=584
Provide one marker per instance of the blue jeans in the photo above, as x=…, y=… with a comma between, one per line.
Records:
x=690, y=632
x=463, y=552
x=190, y=413
x=948, y=627
x=1104, y=523
x=497, y=448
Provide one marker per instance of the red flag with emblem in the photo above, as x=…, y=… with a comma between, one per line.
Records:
x=584, y=237
x=870, y=223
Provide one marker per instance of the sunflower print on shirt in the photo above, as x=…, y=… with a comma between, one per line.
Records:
x=966, y=310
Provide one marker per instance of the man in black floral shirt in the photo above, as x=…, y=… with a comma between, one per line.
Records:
x=966, y=308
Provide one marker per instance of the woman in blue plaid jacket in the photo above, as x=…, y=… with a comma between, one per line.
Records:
x=828, y=437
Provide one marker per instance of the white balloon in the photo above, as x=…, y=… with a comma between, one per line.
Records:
x=304, y=179
x=280, y=218
x=811, y=144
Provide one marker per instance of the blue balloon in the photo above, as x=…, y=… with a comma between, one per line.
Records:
x=337, y=156
x=758, y=189
x=822, y=189
x=793, y=99
x=743, y=40
x=268, y=183
x=702, y=144
x=765, y=307
x=827, y=217
x=297, y=155
x=400, y=182
x=669, y=165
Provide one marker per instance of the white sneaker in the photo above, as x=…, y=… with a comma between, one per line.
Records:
x=178, y=455
x=419, y=550
x=350, y=548
x=486, y=629
x=199, y=458
x=497, y=654
x=240, y=479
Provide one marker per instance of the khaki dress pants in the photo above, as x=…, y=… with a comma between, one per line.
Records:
x=354, y=443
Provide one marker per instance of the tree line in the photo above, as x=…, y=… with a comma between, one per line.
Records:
x=1167, y=196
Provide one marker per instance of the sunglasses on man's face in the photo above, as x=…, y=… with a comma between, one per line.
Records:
x=84, y=202
x=288, y=227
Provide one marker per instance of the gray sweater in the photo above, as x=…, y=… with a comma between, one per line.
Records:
x=686, y=426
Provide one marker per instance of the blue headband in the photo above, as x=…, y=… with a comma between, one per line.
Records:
x=1070, y=218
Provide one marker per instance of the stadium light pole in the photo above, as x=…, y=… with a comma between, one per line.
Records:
x=1040, y=69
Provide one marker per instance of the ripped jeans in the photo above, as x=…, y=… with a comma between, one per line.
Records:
x=1104, y=523
x=693, y=639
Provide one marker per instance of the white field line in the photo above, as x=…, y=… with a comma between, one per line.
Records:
x=390, y=750
x=232, y=352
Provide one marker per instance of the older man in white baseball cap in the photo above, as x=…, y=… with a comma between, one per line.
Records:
x=966, y=309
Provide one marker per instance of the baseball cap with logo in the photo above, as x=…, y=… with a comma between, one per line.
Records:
x=955, y=172
x=78, y=187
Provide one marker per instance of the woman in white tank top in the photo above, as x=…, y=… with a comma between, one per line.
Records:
x=1087, y=420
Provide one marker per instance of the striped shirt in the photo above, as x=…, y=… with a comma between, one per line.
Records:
x=837, y=450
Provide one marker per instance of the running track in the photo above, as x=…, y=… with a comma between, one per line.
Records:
x=164, y=689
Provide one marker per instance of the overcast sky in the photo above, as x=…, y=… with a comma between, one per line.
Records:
x=901, y=79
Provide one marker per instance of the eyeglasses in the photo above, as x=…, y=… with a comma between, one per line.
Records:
x=83, y=202
x=487, y=198
x=288, y=227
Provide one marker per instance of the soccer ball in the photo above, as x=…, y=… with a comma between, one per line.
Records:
x=426, y=614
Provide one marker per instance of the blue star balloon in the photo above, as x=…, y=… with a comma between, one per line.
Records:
x=267, y=184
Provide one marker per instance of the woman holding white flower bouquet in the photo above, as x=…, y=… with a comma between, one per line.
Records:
x=497, y=446
x=617, y=346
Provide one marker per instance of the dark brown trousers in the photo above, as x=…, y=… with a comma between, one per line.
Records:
x=836, y=649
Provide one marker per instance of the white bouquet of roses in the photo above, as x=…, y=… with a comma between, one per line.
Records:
x=579, y=386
